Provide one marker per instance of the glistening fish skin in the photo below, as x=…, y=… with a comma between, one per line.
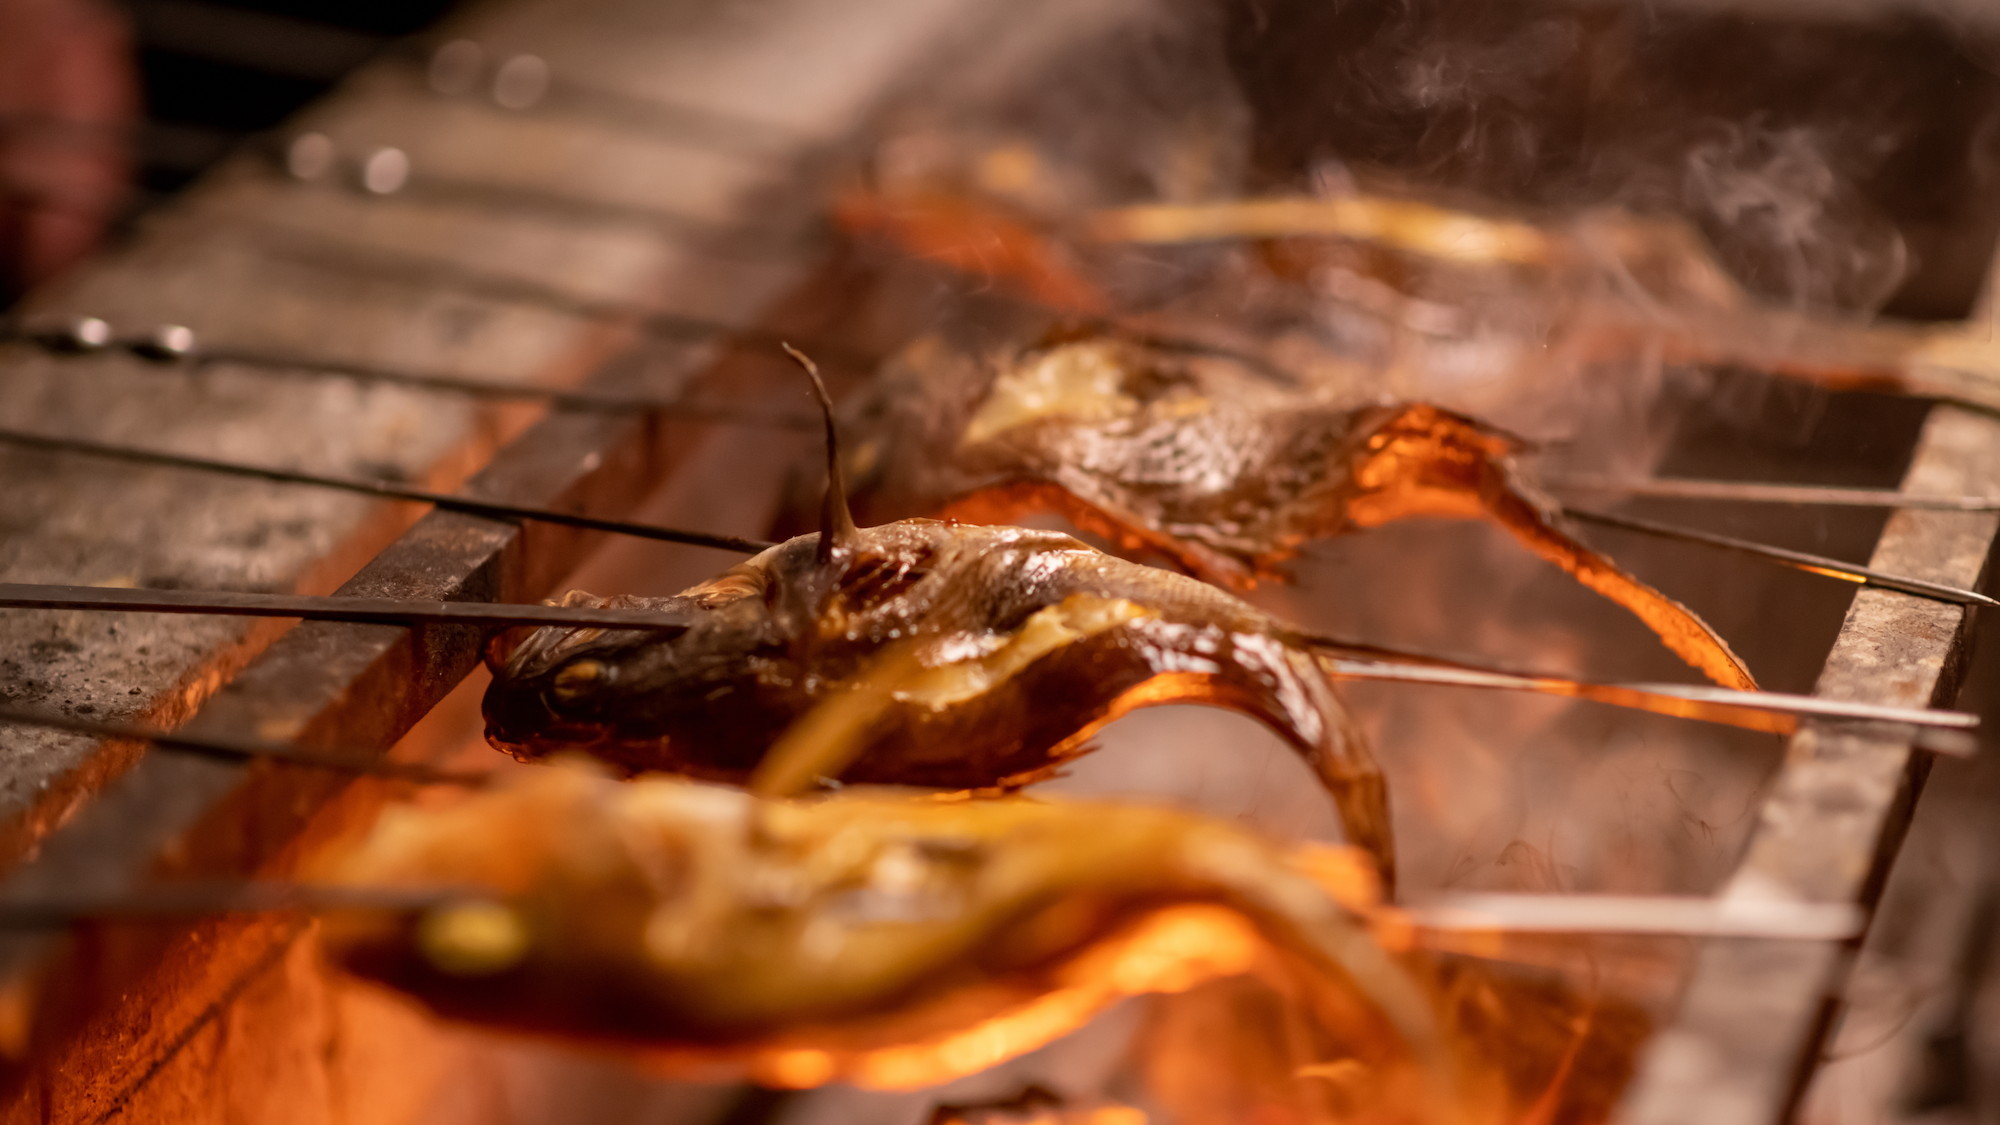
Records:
x=1207, y=462
x=1026, y=643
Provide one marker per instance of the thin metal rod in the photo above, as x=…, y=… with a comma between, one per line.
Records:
x=173, y=344
x=243, y=749
x=1647, y=915
x=565, y=398
x=367, y=611
x=1657, y=915
x=202, y=899
x=385, y=490
x=314, y=158
x=416, y=270
x=1798, y=560
x=316, y=252
x=1947, y=732
x=395, y=611
x=1754, y=492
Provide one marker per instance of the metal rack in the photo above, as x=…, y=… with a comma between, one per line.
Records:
x=77, y=815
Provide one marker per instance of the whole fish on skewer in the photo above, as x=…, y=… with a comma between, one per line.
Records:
x=893, y=939
x=972, y=658
x=867, y=937
x=1208, y=462
x=1601, y=285
x=1030, y=641
x=1020, y=645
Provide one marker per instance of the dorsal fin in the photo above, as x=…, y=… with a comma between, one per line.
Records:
x=836, y=523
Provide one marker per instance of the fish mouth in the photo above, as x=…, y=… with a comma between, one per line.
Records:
x=548, y=741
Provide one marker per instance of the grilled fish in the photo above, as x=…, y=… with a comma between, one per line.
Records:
x=1609, y=285
x=988, y=657
x=872, y=937
x=1026, y=643
x=1206, y=461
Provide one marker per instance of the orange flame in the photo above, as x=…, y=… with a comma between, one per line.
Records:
x=1172, y=951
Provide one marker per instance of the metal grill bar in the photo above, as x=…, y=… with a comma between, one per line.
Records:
x=1754, y=1014
x=324, y=686
x=384, y=490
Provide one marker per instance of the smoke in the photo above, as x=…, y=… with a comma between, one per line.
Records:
x=1818, y=154
x=1801, y=230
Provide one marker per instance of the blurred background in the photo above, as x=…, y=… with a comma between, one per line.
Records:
x=184, y=81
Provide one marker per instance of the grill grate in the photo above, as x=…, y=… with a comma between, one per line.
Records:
x=1755, y=1014
x=1738, y=1049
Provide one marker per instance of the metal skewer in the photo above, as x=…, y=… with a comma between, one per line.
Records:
x=1798, y=560
x=526, y=82
x=318, y=252
x=1420, y=668
x=1944, y=732
x=310, y=158
x=176, y=344
x=202, y=899
x=385, y=490
x=360, y=610
x=1753, y=492
x=243, y=749
x=1649, y=915
x=1697, y=701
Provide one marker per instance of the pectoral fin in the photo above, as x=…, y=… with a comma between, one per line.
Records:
x=1426, y=462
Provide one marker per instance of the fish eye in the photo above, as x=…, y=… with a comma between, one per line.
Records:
x=576, y=679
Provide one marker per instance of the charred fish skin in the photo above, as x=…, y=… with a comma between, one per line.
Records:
x=1200, y=458
x=1205, y=462
x=667, y=915
x=1030, y=641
